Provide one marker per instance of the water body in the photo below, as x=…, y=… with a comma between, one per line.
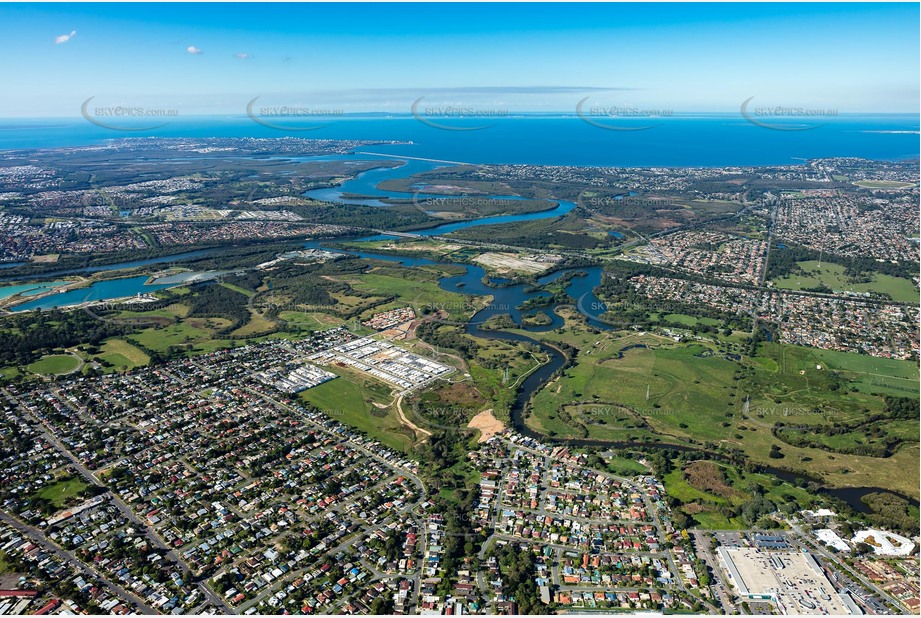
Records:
x=699, y=140
x=507, y=298
x=101, y=290
x=29, y=289
x=365, y=184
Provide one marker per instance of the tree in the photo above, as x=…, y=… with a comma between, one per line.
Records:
x=382, y=605
x=861, y=549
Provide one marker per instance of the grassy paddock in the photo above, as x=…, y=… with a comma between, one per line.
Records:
x=696, y=393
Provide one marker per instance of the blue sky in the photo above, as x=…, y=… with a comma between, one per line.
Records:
x=213, y=59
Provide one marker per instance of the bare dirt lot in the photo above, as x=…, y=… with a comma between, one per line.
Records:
x=488, y=425
x=506, y=262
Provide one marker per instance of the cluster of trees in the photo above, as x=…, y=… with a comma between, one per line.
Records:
x=213, y=301
x=877, y=443
x=460, y=541
x=874, y=440
x=891, y=511
x=26, y=336
x=437, y=334
x=903, y=408
x=755, y=511
x=443, y=464
x=371, y=217
x=518, y=572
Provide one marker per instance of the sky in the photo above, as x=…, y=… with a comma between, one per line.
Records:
x=215, y=59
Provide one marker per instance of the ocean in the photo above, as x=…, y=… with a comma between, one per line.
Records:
x=679, y=141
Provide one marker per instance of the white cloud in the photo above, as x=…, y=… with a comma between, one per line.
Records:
x=241, y=56
x=64, y=37
x=194, y=50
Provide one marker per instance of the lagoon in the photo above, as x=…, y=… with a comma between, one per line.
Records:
x=29, y=289
x=102, y=290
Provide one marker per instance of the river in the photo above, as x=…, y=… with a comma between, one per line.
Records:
x=506, y=299
x=363, y=184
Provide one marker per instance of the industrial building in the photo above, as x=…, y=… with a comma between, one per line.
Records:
x=793, y=581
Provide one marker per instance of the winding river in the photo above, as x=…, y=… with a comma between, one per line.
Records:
x=506, y=298
x=580, y=289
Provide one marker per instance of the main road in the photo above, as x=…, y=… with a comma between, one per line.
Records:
x=38, y=537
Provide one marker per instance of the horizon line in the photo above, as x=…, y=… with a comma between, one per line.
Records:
x=566, y=113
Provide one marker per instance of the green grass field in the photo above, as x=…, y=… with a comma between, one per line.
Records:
x=689, y=320
x=176, y=310
x=688, y=390
x=309, y=322
x=712, y=520
x=677, y=487
x=62, y=491
x=193, y=333
x=122, y=355
x=695, y=393
x=256, y=325
x=883, y=184
x=350, y=400
x=55, y=364
x=237, y=288
x=832, y=276
x=625, y=465
x=869, y=374
x=8, y=373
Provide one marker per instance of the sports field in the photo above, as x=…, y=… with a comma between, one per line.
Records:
x=54, y=364
x=833, y=276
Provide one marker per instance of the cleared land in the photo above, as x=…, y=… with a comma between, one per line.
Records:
x=509, y=262
x=487, y=424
